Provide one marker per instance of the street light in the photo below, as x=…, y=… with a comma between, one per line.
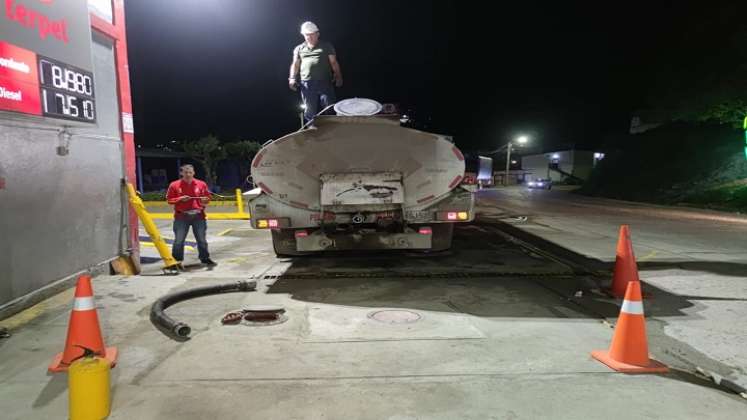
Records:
x=509, y=146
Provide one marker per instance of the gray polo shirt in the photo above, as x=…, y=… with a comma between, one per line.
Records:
x=315, y=61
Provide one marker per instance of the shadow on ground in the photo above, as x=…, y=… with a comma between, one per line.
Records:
x=485, y=275
x=57, y=385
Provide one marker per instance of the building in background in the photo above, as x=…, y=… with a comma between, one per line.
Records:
x=562, y=165
x=515, y=176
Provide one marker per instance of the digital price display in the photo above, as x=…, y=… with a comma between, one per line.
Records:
x=38, y=85
x=66, y=92
x=45, y=59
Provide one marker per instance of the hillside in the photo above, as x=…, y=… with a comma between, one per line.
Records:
x=684, y=164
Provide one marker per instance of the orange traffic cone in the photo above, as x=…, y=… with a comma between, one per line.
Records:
x=83, y=330
x=629, y=349
x=626, y=269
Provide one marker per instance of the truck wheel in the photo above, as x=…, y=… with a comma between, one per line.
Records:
x=442, y=234
x=284, y=243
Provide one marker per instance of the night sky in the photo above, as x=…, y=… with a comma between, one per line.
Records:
x=565, y=73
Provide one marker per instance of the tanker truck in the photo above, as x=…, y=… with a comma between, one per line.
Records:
x=359, y=182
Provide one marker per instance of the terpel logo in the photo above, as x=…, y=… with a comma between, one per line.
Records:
x=33, y=19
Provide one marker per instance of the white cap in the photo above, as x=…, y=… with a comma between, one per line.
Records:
x=309, y=28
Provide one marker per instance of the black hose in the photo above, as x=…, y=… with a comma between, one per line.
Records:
x=179, y=330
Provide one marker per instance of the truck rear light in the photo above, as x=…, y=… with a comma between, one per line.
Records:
x=281, y=222
x=425, y=230
x=452, y=216
x=301, y=234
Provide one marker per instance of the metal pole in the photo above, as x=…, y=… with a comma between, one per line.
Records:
x=169, y=263
x=300, y=114
x=139, y=164
x=508, y=161
x=239, y=201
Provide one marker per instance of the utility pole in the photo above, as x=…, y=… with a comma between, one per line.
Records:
x=508, y=162
x=509, y=146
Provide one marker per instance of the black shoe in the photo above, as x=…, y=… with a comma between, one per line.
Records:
x=210, y=263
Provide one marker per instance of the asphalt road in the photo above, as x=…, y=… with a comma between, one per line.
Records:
x=590, y=226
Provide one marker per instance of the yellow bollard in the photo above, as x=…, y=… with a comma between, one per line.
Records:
x=88, y=386
x=239, y=201
x=168, y=260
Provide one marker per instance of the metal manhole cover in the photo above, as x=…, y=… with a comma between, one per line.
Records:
x=357, y=107
x=395, y=316
x=256, y=316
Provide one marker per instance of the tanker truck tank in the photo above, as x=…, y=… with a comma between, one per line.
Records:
x=359, y=182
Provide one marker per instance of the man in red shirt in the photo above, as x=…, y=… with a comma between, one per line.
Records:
x=189, y=196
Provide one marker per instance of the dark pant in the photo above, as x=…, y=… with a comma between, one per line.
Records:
x=316, y=95
x=199, y=229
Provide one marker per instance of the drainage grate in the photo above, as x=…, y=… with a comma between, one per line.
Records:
x=395, y=316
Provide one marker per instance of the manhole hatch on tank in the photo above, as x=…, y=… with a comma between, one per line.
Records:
x=395, y=316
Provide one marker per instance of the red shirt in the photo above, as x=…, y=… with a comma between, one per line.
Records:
x=196, y=188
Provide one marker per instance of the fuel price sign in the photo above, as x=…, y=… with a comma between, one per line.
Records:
x=66, y=92
x=45, y=59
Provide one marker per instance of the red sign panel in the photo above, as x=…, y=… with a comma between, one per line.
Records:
x=19, y=80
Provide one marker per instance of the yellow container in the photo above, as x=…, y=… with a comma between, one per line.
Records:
x=88, y=384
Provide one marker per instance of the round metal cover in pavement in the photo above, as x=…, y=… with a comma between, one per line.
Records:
x=395, y=316
x=256, y=316
x=357, y=107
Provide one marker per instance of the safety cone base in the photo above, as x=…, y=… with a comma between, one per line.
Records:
x=58, y=366
x=652, y=367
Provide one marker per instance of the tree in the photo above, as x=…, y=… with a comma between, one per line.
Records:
x=243, y=152
x=730, y=111
x=703, y=83
x=208, y=151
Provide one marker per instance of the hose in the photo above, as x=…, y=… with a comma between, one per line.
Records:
x=179, y=330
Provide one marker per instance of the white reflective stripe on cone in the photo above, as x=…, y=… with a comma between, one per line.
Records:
x=83, y=304
x=632, y=307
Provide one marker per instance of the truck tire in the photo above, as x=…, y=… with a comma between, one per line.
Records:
x=284, y=243
x=442, y=234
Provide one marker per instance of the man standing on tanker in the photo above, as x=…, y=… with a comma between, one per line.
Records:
x=315, y=61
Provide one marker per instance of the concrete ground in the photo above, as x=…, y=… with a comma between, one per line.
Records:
x=693, y=263
x=489, y=331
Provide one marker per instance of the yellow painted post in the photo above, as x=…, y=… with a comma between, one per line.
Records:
x=168, y=260
x=89, y=389
x=239, y=201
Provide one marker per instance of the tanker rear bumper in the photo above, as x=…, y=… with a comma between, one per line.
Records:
x=363, y=241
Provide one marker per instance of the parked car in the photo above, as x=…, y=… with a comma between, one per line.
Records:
x=543, y=183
